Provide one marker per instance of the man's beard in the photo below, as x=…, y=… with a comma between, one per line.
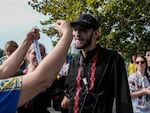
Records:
x=86, y=44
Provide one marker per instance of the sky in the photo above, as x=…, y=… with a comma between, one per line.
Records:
x=16, y=19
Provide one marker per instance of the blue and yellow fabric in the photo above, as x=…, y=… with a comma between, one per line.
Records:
x=9, y=94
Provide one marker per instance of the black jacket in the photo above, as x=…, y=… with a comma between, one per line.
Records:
x=109, y=76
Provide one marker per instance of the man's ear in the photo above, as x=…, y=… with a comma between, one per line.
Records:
x=96, y=34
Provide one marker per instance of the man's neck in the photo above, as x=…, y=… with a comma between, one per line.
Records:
x=84, y=51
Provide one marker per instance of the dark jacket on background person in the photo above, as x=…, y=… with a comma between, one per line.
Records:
x=105, y=73
x=38, y=104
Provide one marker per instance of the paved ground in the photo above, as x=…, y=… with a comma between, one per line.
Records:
x=52, y=110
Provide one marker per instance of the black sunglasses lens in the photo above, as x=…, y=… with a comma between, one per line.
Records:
x=142, y=62
x=147, y=55
x=138, y=62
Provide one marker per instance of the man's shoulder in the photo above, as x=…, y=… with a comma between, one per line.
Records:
x=108, y=52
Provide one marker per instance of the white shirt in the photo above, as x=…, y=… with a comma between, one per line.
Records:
x=137, y=82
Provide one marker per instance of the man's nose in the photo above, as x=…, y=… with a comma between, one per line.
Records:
x=78, y=33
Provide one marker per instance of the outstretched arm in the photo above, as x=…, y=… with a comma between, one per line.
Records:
x=10, y=66
x=46, y=72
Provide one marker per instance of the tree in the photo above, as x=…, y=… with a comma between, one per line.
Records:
x=124, y=24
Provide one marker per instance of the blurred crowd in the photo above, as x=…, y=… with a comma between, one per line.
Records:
x=138, y=70
x=95, y=80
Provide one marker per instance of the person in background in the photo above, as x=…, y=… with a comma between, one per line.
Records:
x=140, y=87
x=64, y=70
x=96, y=76
x=58, y=87
x=132, y=65
x=1, y=52
x=16, y=91
x=39, y=103
x=70, y=56
x=9, y=48
x=147, y=56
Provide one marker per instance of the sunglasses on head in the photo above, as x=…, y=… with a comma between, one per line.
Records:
x=140, y=62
